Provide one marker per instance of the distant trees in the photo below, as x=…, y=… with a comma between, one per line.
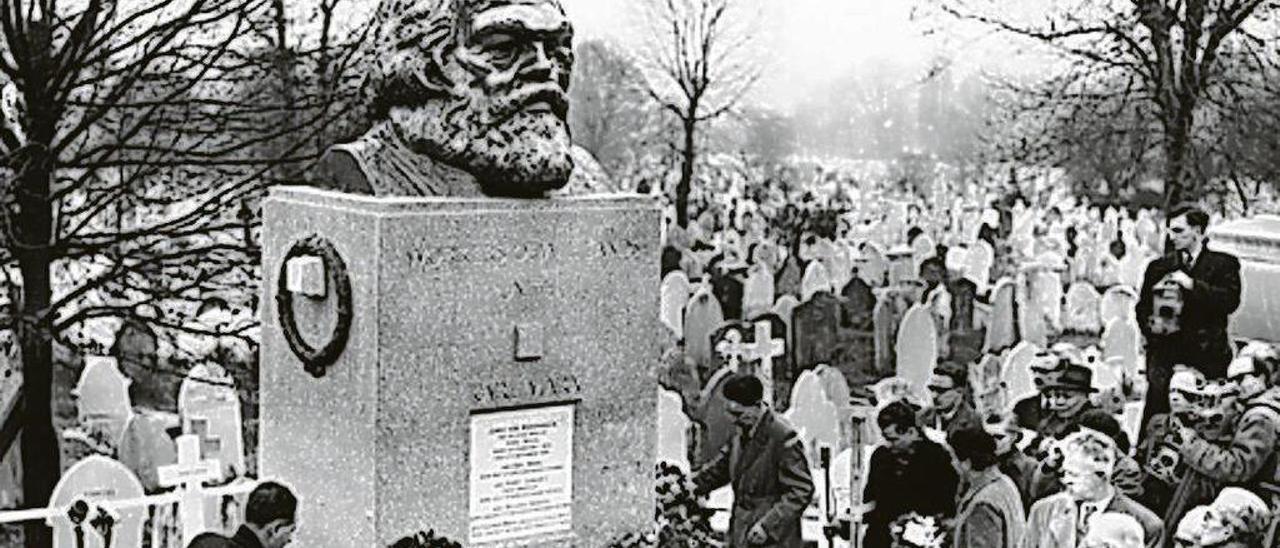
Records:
x=700, y=65
x=136, y=139
x=1155, y=84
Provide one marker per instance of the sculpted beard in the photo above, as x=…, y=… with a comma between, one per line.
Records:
x=500, y=140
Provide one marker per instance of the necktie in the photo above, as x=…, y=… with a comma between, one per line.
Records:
x=1186, y=259
x=1087, y=510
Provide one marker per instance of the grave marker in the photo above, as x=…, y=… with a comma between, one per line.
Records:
x=97, y=478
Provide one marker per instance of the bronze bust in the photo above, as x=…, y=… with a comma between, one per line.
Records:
x=467, y=98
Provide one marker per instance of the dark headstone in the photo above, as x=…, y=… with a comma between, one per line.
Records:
x=815, y=324
x=789, y=279
x=857, y=311
x=728, y=291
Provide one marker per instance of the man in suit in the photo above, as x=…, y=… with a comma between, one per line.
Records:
x=766, y=467
x=269, y=521
x=1061, y=520
x=1209, y=283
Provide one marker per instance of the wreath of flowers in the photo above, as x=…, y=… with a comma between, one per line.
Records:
x=916, y=531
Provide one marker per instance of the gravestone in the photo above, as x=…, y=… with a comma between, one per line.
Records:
x=727, y=345
x=873, y=266
x=957, y=259
x=815, y=328
x=789, y=278
x=917, y=347
x=836, y=387
x=785, y=308
x=187, y=474
x=857, y=306
x=1133, y=266
x=987, y=386
x=965, y=339
x=702, y=316
x=673, y=430
x=97, y=479
x=1016, y=371
x=102, y=399
x=1082, y=313
x=815, y=417
x=674, y=295
x=727, y=288
x=816, y=279
x=757, y=292
x=539, y=332
x=210, y=409
x=1118, y=302
x=145, y=446
x=1123, y=340
x=902, y=266
x=1002, y=331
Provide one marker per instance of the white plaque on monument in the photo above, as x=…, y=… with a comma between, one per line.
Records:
x=521, y=475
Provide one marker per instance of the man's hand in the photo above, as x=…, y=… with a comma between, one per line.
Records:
x=757, y=535
x=1182, y=279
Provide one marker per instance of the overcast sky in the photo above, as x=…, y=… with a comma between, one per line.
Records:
x=813, y=42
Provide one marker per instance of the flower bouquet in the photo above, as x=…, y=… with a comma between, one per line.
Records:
x=916, y=531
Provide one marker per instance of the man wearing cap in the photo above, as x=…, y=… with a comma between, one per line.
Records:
x=1062, y=520
x=1209, y=285
x=1029, y=411
x=1250, y=458
x=766, y=467
x=1065, y=397
x=1009, y=459
x=952, y=400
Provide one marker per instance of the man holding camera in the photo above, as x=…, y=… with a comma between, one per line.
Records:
x=1186, y=297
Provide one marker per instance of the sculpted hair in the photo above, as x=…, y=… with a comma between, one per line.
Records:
x=412, y=39
x=270, y=501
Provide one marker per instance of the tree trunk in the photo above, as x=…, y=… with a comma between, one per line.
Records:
x=1179, y=185
x=687, y=157
x=39, y=444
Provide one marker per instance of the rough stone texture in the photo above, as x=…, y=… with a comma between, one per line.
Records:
x=378, y=447
x=1256, y=242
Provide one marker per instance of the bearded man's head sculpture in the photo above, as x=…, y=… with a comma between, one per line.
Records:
x=467, y=96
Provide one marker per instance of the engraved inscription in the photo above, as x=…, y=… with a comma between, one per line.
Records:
x=433, y=256
x=503, y=392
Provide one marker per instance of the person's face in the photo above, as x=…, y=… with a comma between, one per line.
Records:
x=509, y=76
x=1216, y=529
x=744, y=416
x=279, y=533
x=899, y=440
x=1182, y=235
x=946, y=395
x=1249, y=385
x=1081, y=482
x=1005, y=437
x=1064, y=403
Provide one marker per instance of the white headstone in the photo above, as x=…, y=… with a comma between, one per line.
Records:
x=1082, y=310
x=923, y=247
x=815, y=279
x=757, y=291
x=210, y=409
x=1000, y=322
x=1016, y=371
x=1123, y=340
x=702, y=316
x=97, y=479
x=874, y=265
x=1118, y=302
x=102, y=398
x=675, y=294
x=917, y=347
x=673, y=430
x=1133, y=266
x=957, y=258
x=813, y=415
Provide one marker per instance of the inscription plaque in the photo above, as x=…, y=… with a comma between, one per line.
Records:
x=521, y=475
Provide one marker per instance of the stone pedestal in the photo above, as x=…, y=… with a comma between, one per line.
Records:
x=1256, y=242
x=498, y=382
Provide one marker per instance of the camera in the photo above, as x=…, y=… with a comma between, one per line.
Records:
x=1166, y=302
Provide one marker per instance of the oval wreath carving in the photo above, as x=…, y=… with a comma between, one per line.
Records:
x=316, y=360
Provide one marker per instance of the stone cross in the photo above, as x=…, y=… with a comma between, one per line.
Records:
x=765, y=348
x=187, y=475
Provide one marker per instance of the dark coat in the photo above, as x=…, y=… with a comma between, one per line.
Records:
x=244, y=538
x=771, y=483
x=1202, y=341
x=924, y=483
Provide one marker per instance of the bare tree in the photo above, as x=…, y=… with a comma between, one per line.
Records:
x=1160, y=67
x=138, y=135
x=612, y=117
x=702, y=65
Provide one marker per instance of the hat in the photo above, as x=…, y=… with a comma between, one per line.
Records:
x=1186, y=380
x=1073, y=377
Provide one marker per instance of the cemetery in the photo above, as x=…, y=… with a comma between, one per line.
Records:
x=496, y=273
